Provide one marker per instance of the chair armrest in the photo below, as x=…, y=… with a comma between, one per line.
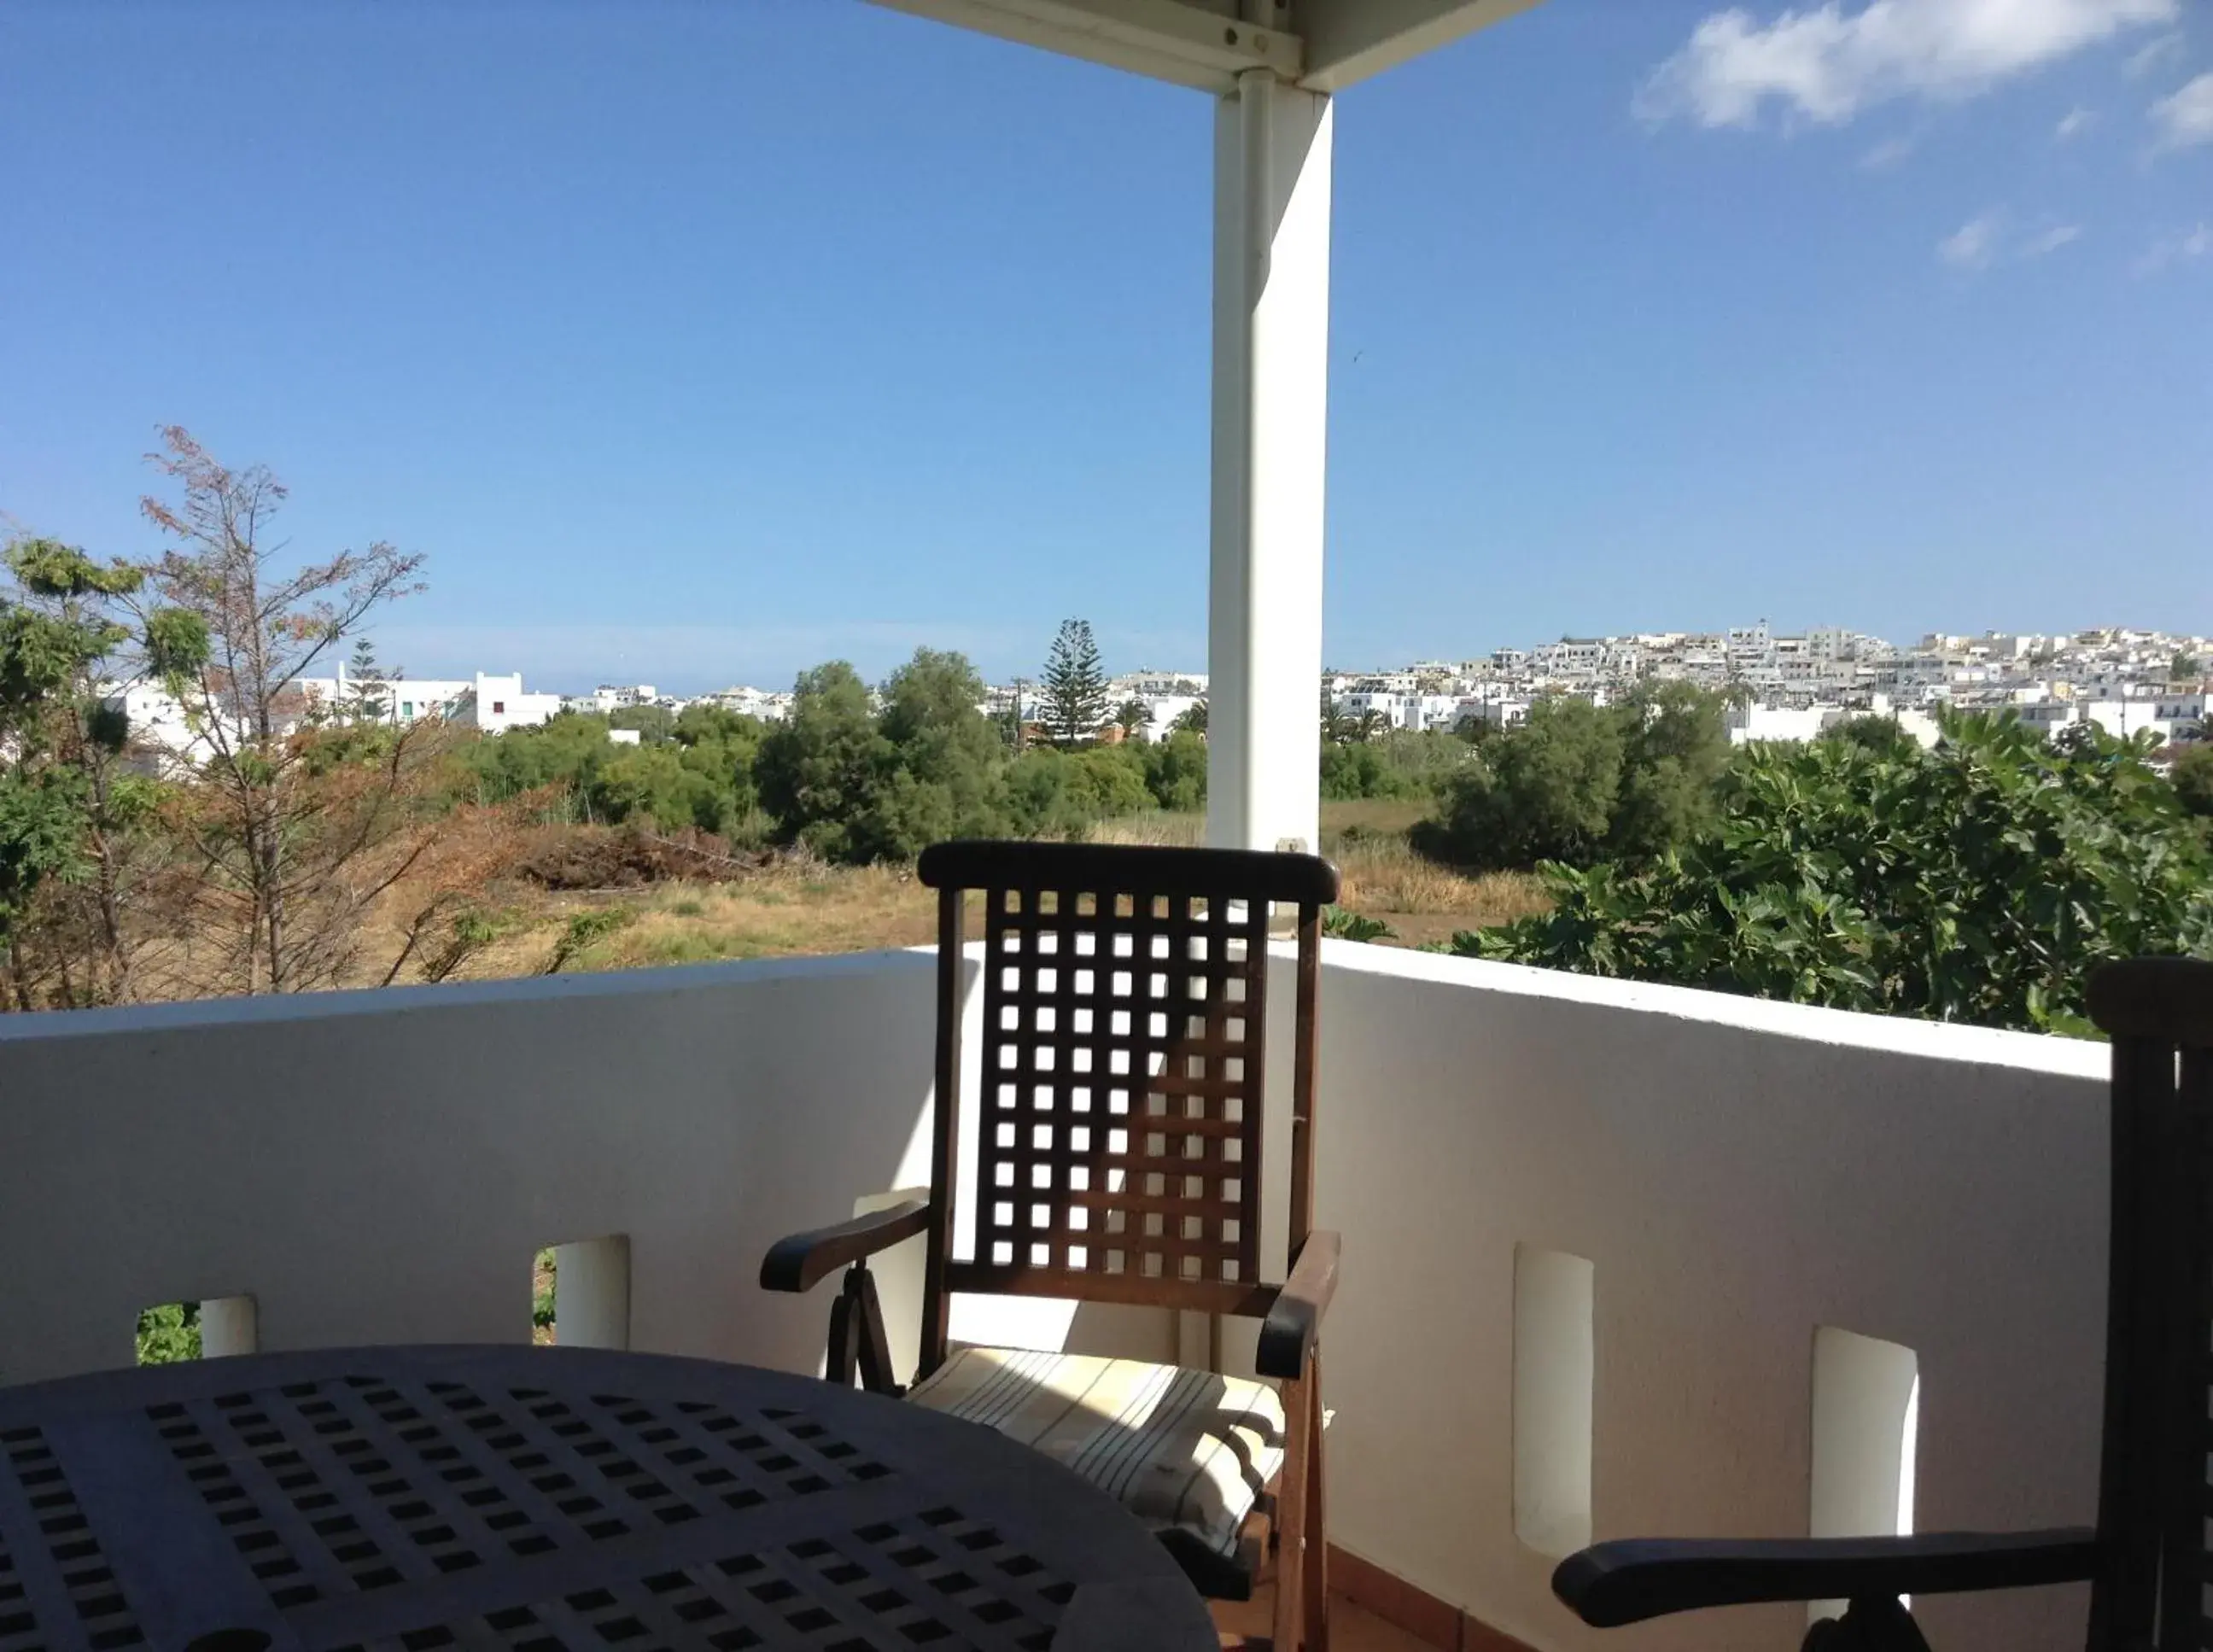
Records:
x=1627, y=1582
x=1288, y=1334
x=804, y=1260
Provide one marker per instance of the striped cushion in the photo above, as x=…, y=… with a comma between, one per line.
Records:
x=1176, y=1447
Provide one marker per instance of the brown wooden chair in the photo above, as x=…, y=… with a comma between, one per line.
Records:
x=2146, y=1560
x=1119, y=1133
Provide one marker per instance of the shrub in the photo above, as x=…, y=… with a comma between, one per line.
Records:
x=1978, y=882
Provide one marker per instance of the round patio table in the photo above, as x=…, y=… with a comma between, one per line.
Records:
x=413, y=1497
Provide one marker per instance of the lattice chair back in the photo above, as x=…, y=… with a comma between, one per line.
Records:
x=2155, y=1502
x=1122, y=1073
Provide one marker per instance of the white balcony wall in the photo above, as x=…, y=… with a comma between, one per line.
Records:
x=380, y=1167
x=1738, y=1173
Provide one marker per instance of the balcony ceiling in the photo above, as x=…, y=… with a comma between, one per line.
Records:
x=1324, y=46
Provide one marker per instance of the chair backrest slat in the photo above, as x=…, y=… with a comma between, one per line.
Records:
x=1122, y=1066
x=2155, y=1499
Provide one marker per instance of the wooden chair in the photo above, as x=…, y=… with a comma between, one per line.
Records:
x=1119, y=1147
x=2146, y=1560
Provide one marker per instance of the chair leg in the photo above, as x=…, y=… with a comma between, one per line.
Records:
x=844, y=1353
x=1291, y=1507
x=874, y=1354
x=1316, y=1525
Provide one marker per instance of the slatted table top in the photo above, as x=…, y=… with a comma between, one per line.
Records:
x=535, y=1499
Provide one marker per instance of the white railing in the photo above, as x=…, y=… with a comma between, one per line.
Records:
x=1591, y=1230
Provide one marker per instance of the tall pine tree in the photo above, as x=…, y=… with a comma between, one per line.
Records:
x=1075, y=688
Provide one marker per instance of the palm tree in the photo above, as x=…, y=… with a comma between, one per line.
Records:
x=1335, y=728
x=1131, y=716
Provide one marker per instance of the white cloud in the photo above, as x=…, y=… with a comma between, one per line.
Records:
x=1973, y=244
x=1989, y=238
x=2185, y=247
x=2075, y=121
x=2144, y=62
x=1885, y=154
x=2185, y=117
x=1827, y=65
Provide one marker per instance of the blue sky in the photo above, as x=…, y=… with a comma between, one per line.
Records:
x=697, y=343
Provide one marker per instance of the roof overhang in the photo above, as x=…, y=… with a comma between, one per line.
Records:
x=1323, y=44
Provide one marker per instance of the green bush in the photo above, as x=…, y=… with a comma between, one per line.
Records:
x=169, y=1333
x=2192, y=776
x=1175, y=769
x=1580, y=784
x=1544, y=791
x=1398, y=764
x=1979, y=882
x=1341, y=925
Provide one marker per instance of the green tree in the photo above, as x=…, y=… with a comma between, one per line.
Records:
x=820, y=767
x=654, y=783
x=73, y=843
x=2192, y=778
x=1106, y=781
x=1176, y=770
x=1191, y=720
x=1403, y=763
x=1352, y=771
x=2183, y=666
x=952, y=758
x=1873, y=732
x=1544, y=791
x=365, y=677
x=1674, y=748
x=1037, y=800
x=723, y=746
x=1131, y=717
x=1055, y=794
x=1074, y=687
x=1979, y=882
x=563, y=754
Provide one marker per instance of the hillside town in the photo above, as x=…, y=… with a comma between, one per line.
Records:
x=1779, y=686
x=1792, y=686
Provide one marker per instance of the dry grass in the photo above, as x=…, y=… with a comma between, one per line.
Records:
x=1152, y=826
x=1384, y=875
x=783, y=911
x=802, y=908
x=1422, y=901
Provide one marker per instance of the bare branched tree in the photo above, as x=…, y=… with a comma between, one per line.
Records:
x=304, y=818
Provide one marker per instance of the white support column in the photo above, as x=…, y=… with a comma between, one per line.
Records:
x=1271, y=187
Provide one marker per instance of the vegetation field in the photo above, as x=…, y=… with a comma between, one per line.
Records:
x=263, y=835
x=790, y=907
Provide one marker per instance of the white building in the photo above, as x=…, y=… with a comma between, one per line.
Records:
x=1165, y=709
x=2170, y=716
x=1156, y=685
x=399, y=701
x=769, y=706
x=1761, y=723
x=496, y=705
